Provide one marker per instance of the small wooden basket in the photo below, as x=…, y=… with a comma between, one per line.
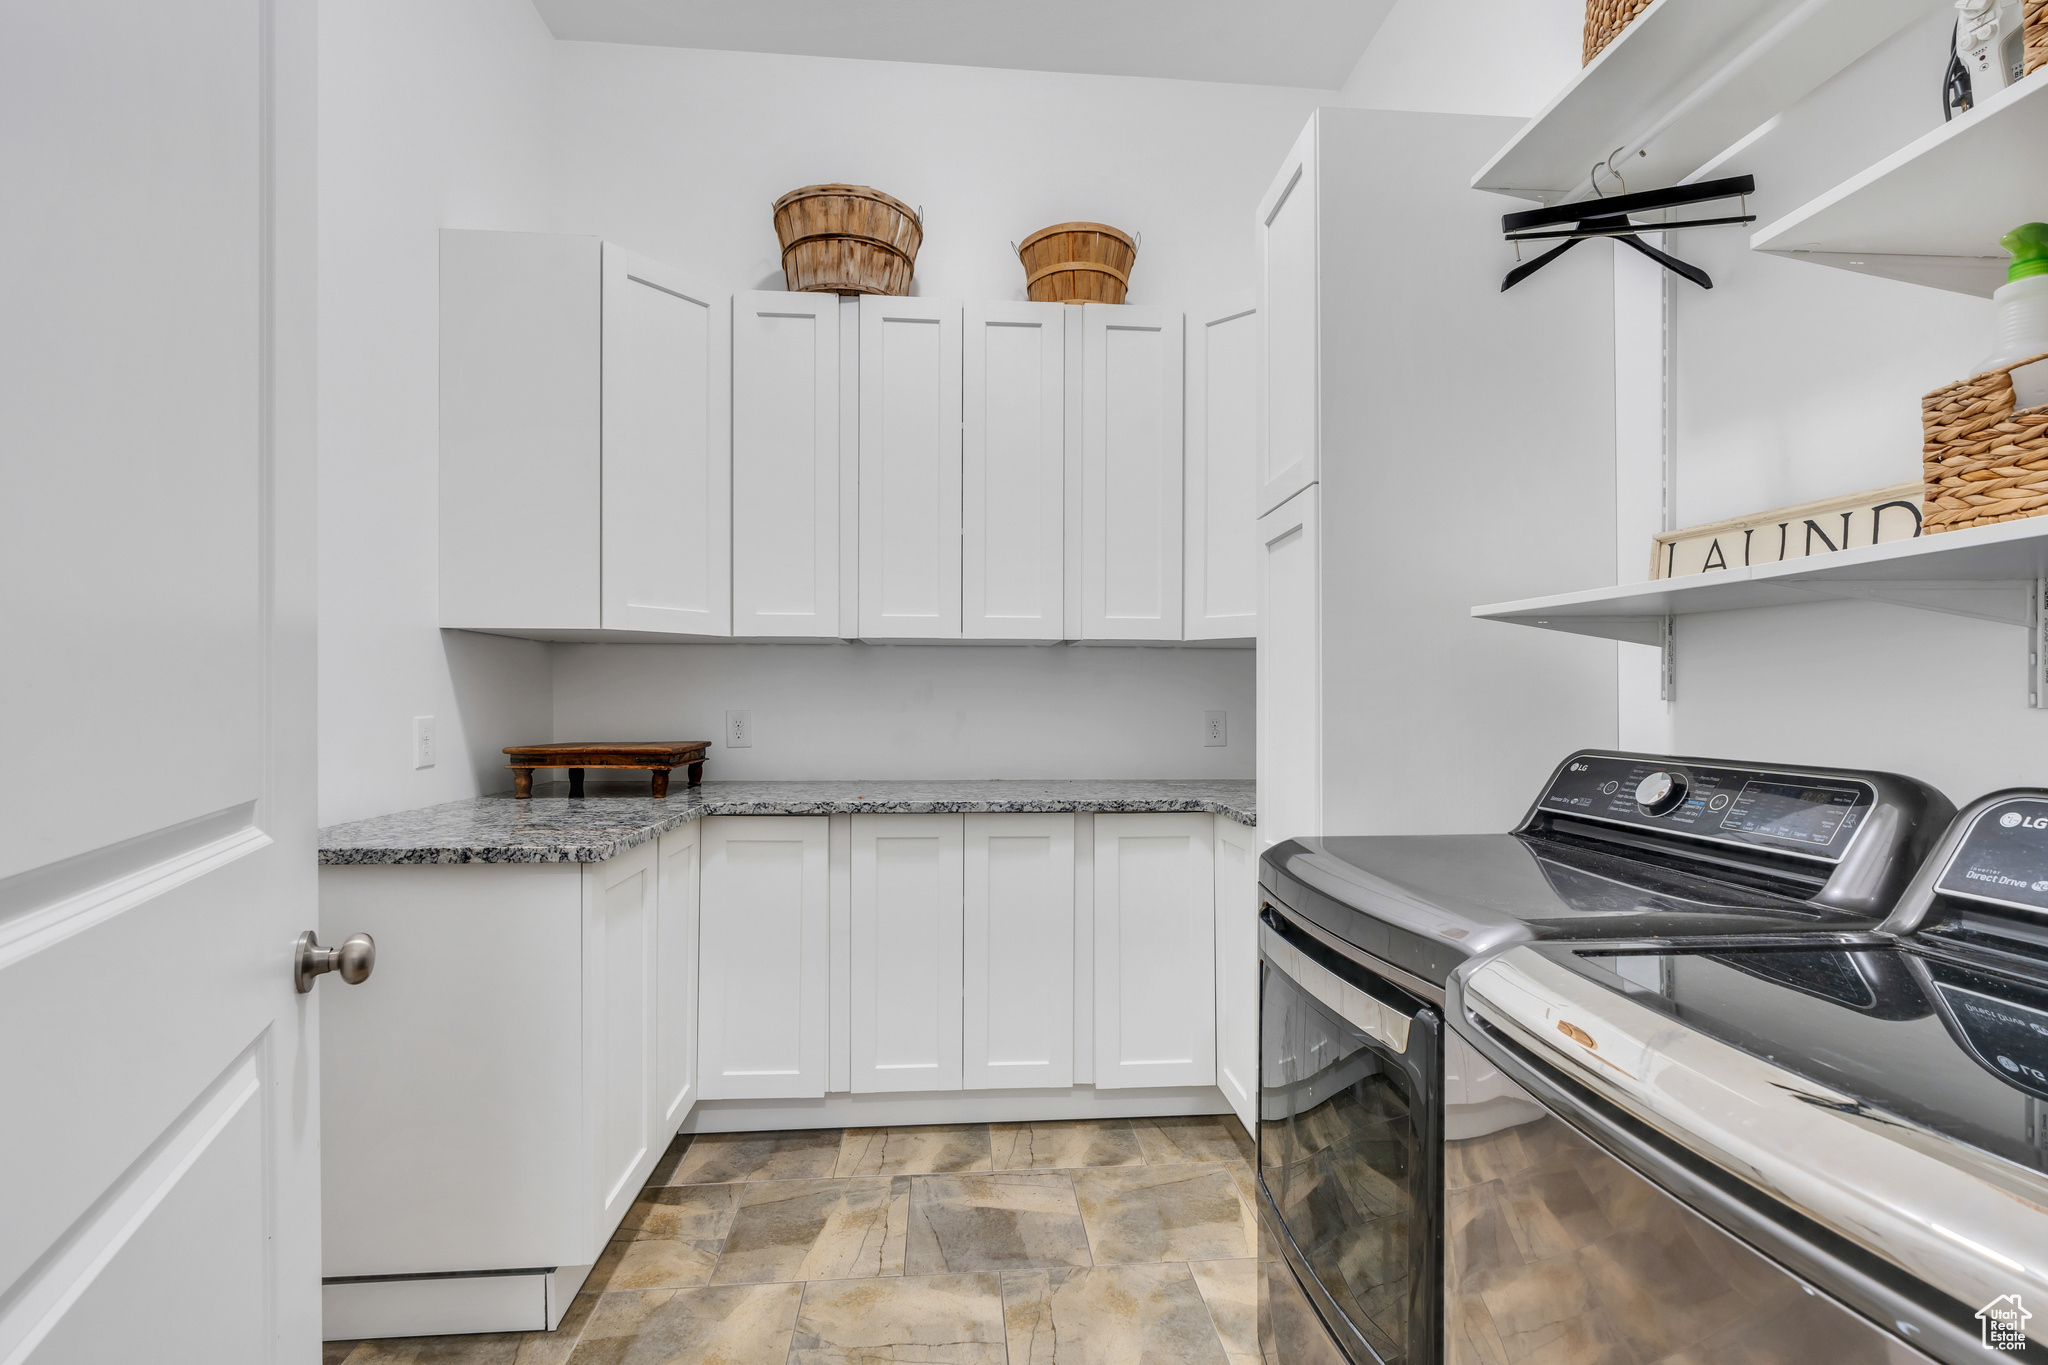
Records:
x=1605, y=19
x=1984, y=462
x=1077, y=263
x=847, y=239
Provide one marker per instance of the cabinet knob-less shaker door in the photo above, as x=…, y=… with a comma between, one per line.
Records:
x=1013, y=474
x=1289, y=376
x=1222, y=471
x=906, y=952
x=621, y=1019
x=785, y=466
x=667, y=449
x=1131, y=395
x=764, y=935
x=909, y=469
x=676, y=977
x=1289, y=670
x=1155, y=964
x=1019, y=985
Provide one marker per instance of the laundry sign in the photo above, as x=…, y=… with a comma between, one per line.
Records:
x=1875, y=517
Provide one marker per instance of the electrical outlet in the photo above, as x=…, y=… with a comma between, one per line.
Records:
x=1215, y=729
x=739, y=729
x=422, y=741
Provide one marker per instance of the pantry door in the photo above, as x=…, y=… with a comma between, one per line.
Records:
x=159, y=1166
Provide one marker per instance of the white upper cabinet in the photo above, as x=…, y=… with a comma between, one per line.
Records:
x=667, y=449
x=1222, y=464
x=1288, y=325
x=1019, y=979
x=764, y=915
x=905, y=944
x=785, y=466
x=909, y=469
x=586, y=397
x=1013, y=477
x=1155, y=950
x=1131, y=395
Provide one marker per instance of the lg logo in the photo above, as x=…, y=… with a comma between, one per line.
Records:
x=2012, y=819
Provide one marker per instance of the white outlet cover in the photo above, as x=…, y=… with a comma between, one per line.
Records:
x=1215, y=729
x=739, y=729
x=423, y=742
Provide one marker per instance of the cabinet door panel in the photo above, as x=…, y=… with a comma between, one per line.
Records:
x=1155, y=972
x=1013, y=477
x=1222, y=456
x=1237, y=967
x=1131, y=473
x=667, y=442
x=906, y=952
x=676, y=979
x=1019, y=995
x=785, y=465
x=1289, y=671
x=1290, y=390
x=620, y=1020
x=909, y=468
x=765, y=957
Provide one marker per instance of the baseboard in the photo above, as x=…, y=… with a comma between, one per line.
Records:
x=364, y=1307
x=953, y=1106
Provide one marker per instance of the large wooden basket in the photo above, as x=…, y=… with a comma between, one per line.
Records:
x=1983, y=461
x=1077, y=263
x=1605, y=19
x=846, y=239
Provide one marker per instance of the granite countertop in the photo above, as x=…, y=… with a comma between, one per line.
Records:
x=550, y=827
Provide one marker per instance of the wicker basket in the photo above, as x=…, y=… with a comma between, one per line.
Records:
x=2035, y=17
x=1605, y=19
x=1984, y=462
x=1077, y=263
x=846, y=239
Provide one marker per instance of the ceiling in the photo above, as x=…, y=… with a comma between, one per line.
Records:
x=1309, y=43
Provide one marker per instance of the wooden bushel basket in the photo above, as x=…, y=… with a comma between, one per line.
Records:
x=1077, y=263
x=846, y=239
x=1983, y=462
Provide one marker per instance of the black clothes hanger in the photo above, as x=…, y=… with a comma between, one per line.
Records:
x=1609, y=217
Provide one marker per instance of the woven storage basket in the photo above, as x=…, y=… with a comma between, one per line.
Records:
x=2035, y=17
x=1984, y=462
x=1077, y=263
x=846, y=239
x=1605, y=19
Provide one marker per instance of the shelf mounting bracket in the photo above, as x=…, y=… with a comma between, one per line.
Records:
x=2037, y=647
x=1667, y=664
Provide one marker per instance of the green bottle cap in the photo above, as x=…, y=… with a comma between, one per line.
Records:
x=2028, y=244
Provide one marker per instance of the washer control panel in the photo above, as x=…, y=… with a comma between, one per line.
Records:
x=2003, y=858
x=1806, y=814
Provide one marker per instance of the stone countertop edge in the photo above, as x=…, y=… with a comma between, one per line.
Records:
x=553, y=829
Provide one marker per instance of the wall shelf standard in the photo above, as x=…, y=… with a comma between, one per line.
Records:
x=1993, y=573
x=1683, y=83
x=1932, y=212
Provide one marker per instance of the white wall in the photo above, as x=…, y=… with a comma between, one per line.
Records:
x=909, y=711
x=430, y=116
x=1795, y=381
x=1469, y=57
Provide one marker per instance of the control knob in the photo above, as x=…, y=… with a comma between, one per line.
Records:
x=1660, y=793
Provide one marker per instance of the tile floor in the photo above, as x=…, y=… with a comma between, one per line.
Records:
x=1084, y=1243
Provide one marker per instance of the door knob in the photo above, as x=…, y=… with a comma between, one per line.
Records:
x=353, y=959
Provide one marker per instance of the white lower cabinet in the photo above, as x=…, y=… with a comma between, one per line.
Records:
x=676, y=977
x=1155, y=945
x=1019, y=979
x=765, y=965
x=905, y=1015
x=1237, y=967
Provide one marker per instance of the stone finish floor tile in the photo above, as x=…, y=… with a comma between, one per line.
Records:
x=680, y=1213
x=929, y=1319
x=1165, y=1213
x=555, y=1348
x=1231, y=1290
x=817, y=1230
x=935, y=1150
x=630, y=1264
x=981, y=1222
x=1064, y=1146
x=1182, y=1141
x=736, y=1325
x=725, y=1158
x=1109, y=1315
x=490, y=1348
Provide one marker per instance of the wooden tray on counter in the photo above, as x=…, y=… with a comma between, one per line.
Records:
x=659, y=757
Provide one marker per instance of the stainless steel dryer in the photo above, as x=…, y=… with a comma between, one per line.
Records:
x=1361, y=1085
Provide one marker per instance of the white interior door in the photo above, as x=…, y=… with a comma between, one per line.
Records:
x=1221, y=581
x=1289, y=304
x=909, y=469
x=1019, y=973
x=764, y=927
x=1155, y=963
x=1131, y=395
x=906, y=952
x=1289, y=670
x=667, y=442
x=785, y=465
x=159, y=1168
x=1013, y=471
